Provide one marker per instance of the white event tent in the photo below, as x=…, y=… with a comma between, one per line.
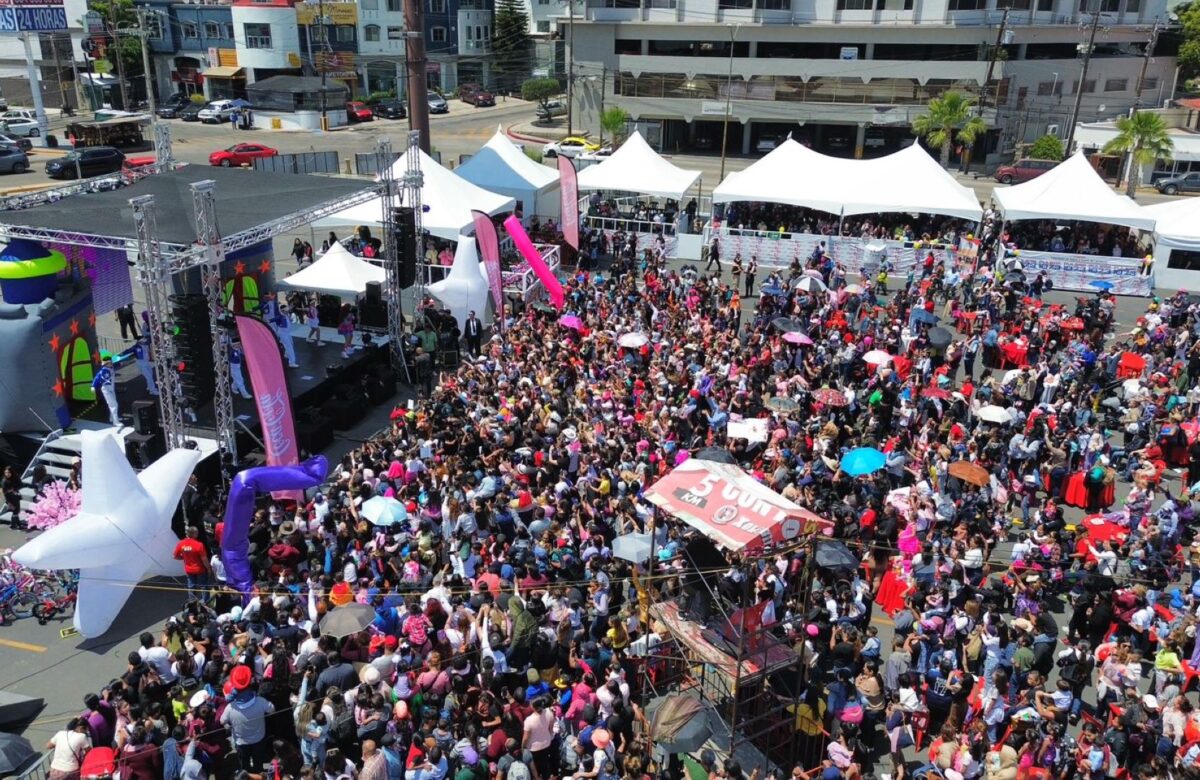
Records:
x=337, y=272
x=447, y=201
x=1071, y=190
x=1176, y=228
x=502, y=168
x=635, y=167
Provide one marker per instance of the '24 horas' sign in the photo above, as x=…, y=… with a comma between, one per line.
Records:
x=32, y=16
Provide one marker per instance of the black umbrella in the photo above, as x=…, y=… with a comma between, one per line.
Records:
x=347, y=619
x=835, y=555
x=15, y=753
x=787, y=325
x=716, y=455
x=939, y=338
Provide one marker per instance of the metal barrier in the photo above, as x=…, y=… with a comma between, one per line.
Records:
x=39, y=770
x=366, y=164
x=302, y=162
x=523, y=281
x=640, y=226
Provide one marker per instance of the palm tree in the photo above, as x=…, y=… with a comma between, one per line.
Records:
x=950, y=116
x=613, y=121
x=1144, y=138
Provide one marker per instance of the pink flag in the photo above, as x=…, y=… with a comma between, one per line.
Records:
x=489, y=250
x=264, y=361
x=569, y=191
x=534, y=258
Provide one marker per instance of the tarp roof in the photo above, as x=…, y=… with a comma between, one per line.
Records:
x=337, y=272
x=635, y=167
x=731, y=507
x=906, y=181
x=1070, y=190
x=500, y=165
x=446, y=198
x=1177, y=223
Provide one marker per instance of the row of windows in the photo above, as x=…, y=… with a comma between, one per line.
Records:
x=372, y=31
x=913, y=52
x=1106, y=6
x=1048, y=88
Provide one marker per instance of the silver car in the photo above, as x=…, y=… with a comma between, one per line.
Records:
x=13, y=160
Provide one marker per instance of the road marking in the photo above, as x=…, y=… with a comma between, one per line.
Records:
x=22, y=646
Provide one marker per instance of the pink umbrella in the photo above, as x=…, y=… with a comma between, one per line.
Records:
x=571, y=321
x=795, y=337
x=877, y=357
x=813, y=273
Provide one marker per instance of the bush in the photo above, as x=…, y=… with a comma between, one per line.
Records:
x=198, y=99
x=533, y=154
x=1048, y=147
x=540, y=90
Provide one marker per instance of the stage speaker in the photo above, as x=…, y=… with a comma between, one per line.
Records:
x=142, y=449
x=372, y=314
x=374, y=292
x=406, y=246
x=145, y=417
x=329, y=310
x=192, y=338
x=314, y=435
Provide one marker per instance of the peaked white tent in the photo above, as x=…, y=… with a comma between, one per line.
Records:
x=502, y=168
x=1070, y=190
x=635, y=167
x=791, y=174
x=910, y=180
x=337, y=272
x=447, y=201
x=1177, y=223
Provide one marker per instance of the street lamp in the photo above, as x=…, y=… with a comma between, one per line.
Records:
x=733, y=30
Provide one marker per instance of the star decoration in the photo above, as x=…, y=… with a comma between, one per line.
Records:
x=58, y=388
x=55, y=343
x=239, y=268
x=265, y=267
x=92, y=320
x=122, y=533
x=74, y=327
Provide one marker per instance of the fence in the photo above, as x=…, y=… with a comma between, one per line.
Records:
x=302, y=162
x=522, y=281
x=365, y=163
x=39, y=770
x=777, y=250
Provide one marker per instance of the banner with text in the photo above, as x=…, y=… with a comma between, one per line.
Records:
x=569, y=194
x=777, y=250
x=1077, y=272
x=489, y=249
x=264, y=361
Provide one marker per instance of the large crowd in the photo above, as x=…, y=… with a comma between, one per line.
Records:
x=504, y=639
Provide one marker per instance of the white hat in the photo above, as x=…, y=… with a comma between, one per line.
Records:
x=1150, y=701
x=198, y=698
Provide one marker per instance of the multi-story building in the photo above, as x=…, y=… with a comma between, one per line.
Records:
x=381, y=45
x=187, y=41
x=53, y=54
x=458, y=43
x=849, y=76
x=267, y=39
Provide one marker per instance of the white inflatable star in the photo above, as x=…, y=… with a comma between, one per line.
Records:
x=121, y=535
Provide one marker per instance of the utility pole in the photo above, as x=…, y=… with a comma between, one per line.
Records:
x=1087, y=61
x=1137, y=100
x=58, y=74
x=983, y=90
x=571, y=67
x=144, y=40
x=728, y=96
x=414, y=59
x=116, y=54
x=603, y=89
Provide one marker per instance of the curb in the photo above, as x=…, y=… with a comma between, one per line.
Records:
x=525, y=138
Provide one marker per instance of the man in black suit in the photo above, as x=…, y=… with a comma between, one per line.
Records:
x=474, y=334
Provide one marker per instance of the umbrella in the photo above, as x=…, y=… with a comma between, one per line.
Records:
x=239, y=103
x=853, y=289
x=939, y=338
x=796, y=337
x=835, y=555
x=382, y=510
x=811, y=284
x=923, y=317
x=544, y=308
x=632, y=547
x=779, y=403
x=1100, y=284
x=814, y=273
x=786, y=325
x=680, y=724
x=863, y=460
x=772, y=289
x=347, y=619
x=877, y=357
x=935, y=392
x=15, y=752
x=633, y=340
x=830, y=397
x=969, y=472
x=716, y=455
x=571, y=321
x=994, y=414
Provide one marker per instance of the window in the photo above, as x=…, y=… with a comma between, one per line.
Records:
x=627, y=46
x=344, y=33
x=228, y=30
x=258, y=36
x=395, y=6
x=855, y=5
x=470, y=33
x=1022, y=94
x=212, y=30
x=1184, y=261
x=190, y=30
x=1149, y=83
x=735, y=4
x=543, y=27
x=1047, y=88
x=1045, y=5
x=437, y=6
x=1109, y=6
x=1116, y=85
x=437, y=34
x=775, y=5
x=967, y=5
x=371, y=32
x=1089, y=87
x=1133, y=6
x=395, y=33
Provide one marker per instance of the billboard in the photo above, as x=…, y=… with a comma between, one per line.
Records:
x=335, y=13
x=39, y=18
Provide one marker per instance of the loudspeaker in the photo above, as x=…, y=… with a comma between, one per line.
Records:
x=406, y=245
x=142, y=449
x=145, y=417
x=374, y=292
x=329, y=310
x=372, y=314
x=314, y=435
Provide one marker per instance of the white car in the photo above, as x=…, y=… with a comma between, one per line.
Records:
x=24, y=127
x=569, y=147
x=217, y=111
x=596, y=156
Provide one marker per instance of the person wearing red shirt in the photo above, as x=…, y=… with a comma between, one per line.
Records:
x=195, y=563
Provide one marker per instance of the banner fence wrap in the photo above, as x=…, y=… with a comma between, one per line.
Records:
x=569, y=195
x=777, y=250
x=1077, y=272
x=489, y=250
x=264, y=363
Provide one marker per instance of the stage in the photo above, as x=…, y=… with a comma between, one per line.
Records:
x=705, y=644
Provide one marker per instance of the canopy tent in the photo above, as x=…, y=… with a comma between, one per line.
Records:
x=447, y=201
x=337, y=272
x=635, y=167
x=502, y=168
x=1070, y=190
x=730, y=506
x=1177, y=223
x=906, y=181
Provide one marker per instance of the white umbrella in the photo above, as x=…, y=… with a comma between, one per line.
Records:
x=994, y=414
x=633, y=340
x=382, y=510
x=877, y=357
x=811, y=284
x=853, y=289
x=632, y=547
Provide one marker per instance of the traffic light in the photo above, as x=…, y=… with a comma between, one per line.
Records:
x=192, y=338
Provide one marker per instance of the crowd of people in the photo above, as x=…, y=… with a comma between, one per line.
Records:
x=506, y=640
x=781, y=218
x=1082, y=238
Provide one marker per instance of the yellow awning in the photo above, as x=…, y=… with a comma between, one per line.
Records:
x=222, y=72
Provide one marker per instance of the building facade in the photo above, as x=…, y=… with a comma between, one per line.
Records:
x=849, y=76
x=53, y=56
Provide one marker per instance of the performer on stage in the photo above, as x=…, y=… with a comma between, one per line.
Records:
x=104, y=382
x=313, y=317
x=141, y=351
x=281, y=323
x=235, y=371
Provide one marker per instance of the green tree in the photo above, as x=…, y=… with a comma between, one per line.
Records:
x=1189, y=50
x=540, y=90
x=1048, y=147
x=613, y=121
x=1144, y=137
x=950, y=116
x=121, y=16
x=510, y=43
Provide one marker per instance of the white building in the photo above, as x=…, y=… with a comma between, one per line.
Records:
x=267, y=38
x=54, y=71
x=849, y=76
x=381, y=45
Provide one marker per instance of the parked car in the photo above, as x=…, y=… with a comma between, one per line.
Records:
x=21, y=122
x=240, y=154
x=391, y=109
x=437, y=104
x=217, y=111
x=191, y=113
x=552, y=109
x=93, y=161
x=357, y=111
x=476, y=95
x=24, y=144
x=1023, y=170
x=1173, y=185
x=173, y=106
x=597, y=156
x=569, y=147
x=13, y=160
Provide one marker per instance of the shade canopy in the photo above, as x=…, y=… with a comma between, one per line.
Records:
x=337, y=272
x=1177, y=223
x=1070, y=190
x=446, y=199
x=907, y=181
x=635, y=167
x=501, y=167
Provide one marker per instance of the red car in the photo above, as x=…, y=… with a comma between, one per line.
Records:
x=240, y=154
x=357, y=111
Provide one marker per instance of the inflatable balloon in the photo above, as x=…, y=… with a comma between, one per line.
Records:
x=534, y=258
x=235, y=543
x=463, y=290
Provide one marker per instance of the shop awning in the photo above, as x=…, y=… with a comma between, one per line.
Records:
x=222, y=72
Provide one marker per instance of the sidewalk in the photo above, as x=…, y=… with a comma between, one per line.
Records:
x=538, y=132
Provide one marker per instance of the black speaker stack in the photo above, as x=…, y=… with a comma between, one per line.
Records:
x=142, y=449
x=145, y=417
x=192, y=337
x=406, y=246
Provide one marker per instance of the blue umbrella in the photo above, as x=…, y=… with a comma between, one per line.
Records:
x=239, y=103
x=1100, y=284
x=382, y=510
x=925, y=317
x=863, y=460
x=772, y=289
